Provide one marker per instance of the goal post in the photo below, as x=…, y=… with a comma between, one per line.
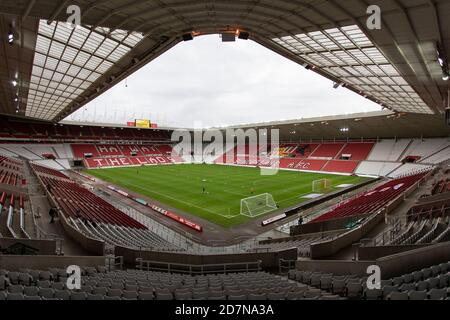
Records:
x=321, y=185
x=258, y=205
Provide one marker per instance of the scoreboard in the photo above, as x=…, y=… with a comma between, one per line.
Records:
x=142, y=123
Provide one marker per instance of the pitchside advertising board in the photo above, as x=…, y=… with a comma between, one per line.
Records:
x=162, y=211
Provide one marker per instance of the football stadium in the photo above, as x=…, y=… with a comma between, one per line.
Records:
x=337, y=206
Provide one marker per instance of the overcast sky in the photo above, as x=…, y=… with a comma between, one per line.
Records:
x=209, y=83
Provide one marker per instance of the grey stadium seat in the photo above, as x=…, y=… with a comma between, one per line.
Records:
x=62, y=294
x=294, y=295
x=422, y=285
x=398, y=296
x=3, y=282
x=13, y=277
x=241, y=297
x=31, y=291
x=387, y=290
x=261, y=296
x=164, y=296
x=196, y=295
x=438, y=294
x=338, y=286
x=47, y=293
x=78, y=296
x=130, y=295
x=15, y=296
x=275, y=296
x=373, y=294
x=353, y=289
x=58, y=286
x=330, y=297
x=25, y=279
x=114, y=293
x=16, y=288
x=146, y=296
x=43, y=283
x=312, y=294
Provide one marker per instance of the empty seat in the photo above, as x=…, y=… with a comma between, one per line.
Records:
x=164, y=296
x=58, y=286
x=47, y=293
x=43, y=283
x=78, y=296
x=373, y=294
x=100, y=290
x=15, y=296
x=275, y=296
x=387, y=290
x=444, y=280
x=294, y=295
x=62, y=294
x=417, y=295
x=433, y=283
x=31, y=291
x=218, y=298
x=326, y=282
x=338, y=286
x=114, y=293
x=179, y=295
x=130, y=295
x=234, y=297
x=408, y=287
x=2, y=295
x=13, y=277
x=312, y=294
x=422, y=286
x=25, y=279
x=353, y=289
x=15, y=288
x=200, y=295
x=95, y=297
x=261, y=296
x=330, y=297
x=146, y=296
x=3, y=282
x=438, y=294
x=31, y=298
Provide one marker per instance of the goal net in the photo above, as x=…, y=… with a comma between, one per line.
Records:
x=321, y=185
x=258, y=205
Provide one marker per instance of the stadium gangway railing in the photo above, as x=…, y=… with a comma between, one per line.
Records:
x=190, y=269
x=42, y=235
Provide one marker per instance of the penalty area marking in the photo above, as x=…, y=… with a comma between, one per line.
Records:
x=190, y=204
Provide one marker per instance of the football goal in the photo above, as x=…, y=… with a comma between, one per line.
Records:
x=258, y=205
x=321, y=185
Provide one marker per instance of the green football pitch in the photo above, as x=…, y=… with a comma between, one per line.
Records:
x=181, y=187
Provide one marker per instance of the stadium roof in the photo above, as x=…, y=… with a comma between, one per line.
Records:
x=59, y=69
x=368, y=125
